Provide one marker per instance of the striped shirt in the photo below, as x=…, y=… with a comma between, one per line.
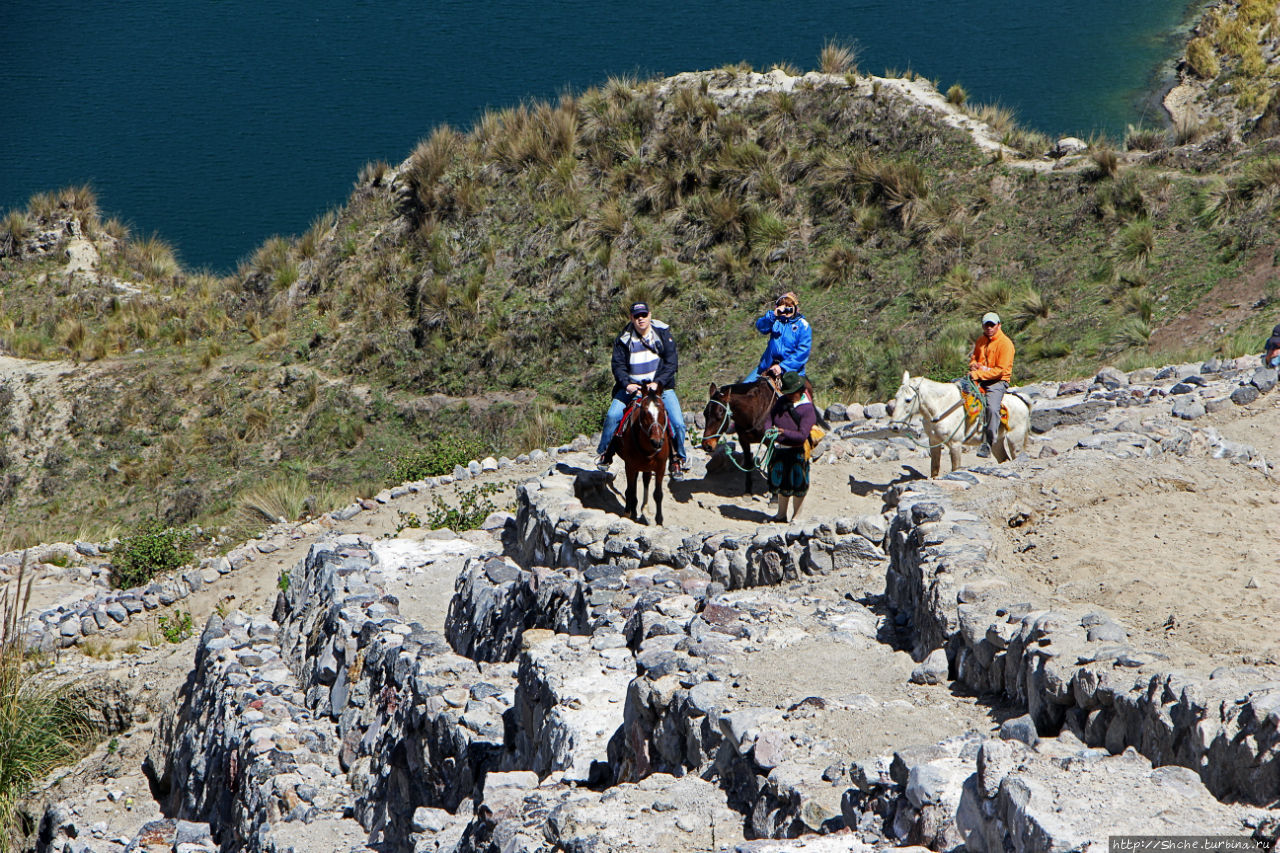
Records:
x=644, y=357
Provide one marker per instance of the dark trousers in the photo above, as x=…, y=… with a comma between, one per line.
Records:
x=995, y=395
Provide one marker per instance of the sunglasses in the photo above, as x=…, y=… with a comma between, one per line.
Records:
x=784, y=309
x=640, y=316
x=989, y=325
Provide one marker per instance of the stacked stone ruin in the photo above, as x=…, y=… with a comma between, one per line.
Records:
x=594, y=688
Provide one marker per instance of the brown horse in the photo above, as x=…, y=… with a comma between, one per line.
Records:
x=644, y=443
x=742, y=408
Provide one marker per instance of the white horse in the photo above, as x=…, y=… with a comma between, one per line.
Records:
x=939, y=406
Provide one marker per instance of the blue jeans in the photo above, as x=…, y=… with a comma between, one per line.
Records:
x=618, y=407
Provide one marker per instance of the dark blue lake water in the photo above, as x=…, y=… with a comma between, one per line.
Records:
x=217, y=123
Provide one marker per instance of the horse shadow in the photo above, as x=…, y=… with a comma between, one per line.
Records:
x=742, y=513
x=863, y=488
x=595, y=489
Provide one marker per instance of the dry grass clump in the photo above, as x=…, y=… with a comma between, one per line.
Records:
x=957, y=95
x=837, y=58
x=14, y=229
x=152, y=257
x=1106, y=161
x=1201, y=58
x=1144, y=139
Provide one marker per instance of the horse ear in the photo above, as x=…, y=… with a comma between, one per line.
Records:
x=906, y=376
x=713, y=389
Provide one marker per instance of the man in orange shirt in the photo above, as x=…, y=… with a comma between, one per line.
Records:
x=991, y=368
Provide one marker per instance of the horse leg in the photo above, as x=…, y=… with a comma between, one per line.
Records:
x=747, y=463
x=631, y=493
x=657, y=495
x=644, y=504
x=954, y=447
x=935, y=461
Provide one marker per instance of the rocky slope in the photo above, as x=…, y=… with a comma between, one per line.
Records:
x=569, y=680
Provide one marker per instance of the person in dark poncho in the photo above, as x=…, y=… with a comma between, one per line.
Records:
x=1271, y=350
x=793, y=416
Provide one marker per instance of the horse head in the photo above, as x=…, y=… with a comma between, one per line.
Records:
x=906, y=403
x=651, y=417
x=716, y=417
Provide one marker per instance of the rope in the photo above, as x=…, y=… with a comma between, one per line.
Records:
x=764, y=450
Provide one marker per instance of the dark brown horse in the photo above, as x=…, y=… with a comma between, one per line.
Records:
x=741, y=408
x=644, y=443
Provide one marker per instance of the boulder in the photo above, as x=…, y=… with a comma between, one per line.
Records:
x=1188, y=408
x=1111, y=378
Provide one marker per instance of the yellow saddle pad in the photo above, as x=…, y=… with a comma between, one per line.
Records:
x=973, y=408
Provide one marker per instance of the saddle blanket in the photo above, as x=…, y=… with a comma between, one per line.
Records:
x=973, y=409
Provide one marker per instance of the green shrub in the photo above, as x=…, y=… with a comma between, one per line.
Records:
x=472, y=509
x=152, y=549
x=436, y=458
x=177, y=627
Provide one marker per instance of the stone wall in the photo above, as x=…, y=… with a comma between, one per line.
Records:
x=1073, y=668
x=554, y=529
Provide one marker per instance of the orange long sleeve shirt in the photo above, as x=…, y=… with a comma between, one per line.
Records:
x=992, y=358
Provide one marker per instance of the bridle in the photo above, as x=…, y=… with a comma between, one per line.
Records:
x=764, y=450
x=913, y=409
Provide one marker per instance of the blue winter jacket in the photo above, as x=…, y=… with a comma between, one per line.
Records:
x=789, y=342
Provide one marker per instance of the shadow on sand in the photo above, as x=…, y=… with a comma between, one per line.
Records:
x=863, y=488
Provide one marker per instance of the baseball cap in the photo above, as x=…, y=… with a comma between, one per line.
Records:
x=990, y=317
x=639, y=308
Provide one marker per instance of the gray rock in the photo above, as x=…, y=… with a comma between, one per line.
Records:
x=875, y=411
x=1020, y=729
x=1264, y=379
x=836, y=412
x=1188, y=408
x=1111, y=378
x=933, y=670
x=1244, y=395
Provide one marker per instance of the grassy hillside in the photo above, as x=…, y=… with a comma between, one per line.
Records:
x=472, y=291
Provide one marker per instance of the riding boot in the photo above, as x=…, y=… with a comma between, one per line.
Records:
x=781, y=517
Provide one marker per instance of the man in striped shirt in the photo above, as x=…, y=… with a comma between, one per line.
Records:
x=644, y=354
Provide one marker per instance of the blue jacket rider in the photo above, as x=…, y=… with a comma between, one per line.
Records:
x=790, y=339
x=644, y=353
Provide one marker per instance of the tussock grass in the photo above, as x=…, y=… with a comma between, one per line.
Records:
x=957, y=95
x=1137, y=242
x=1201, y=58
x=1106, y=161
x=152, y=257
x=1144, y=139
x=14, y=229
x=42, y=724
x=837, y=58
